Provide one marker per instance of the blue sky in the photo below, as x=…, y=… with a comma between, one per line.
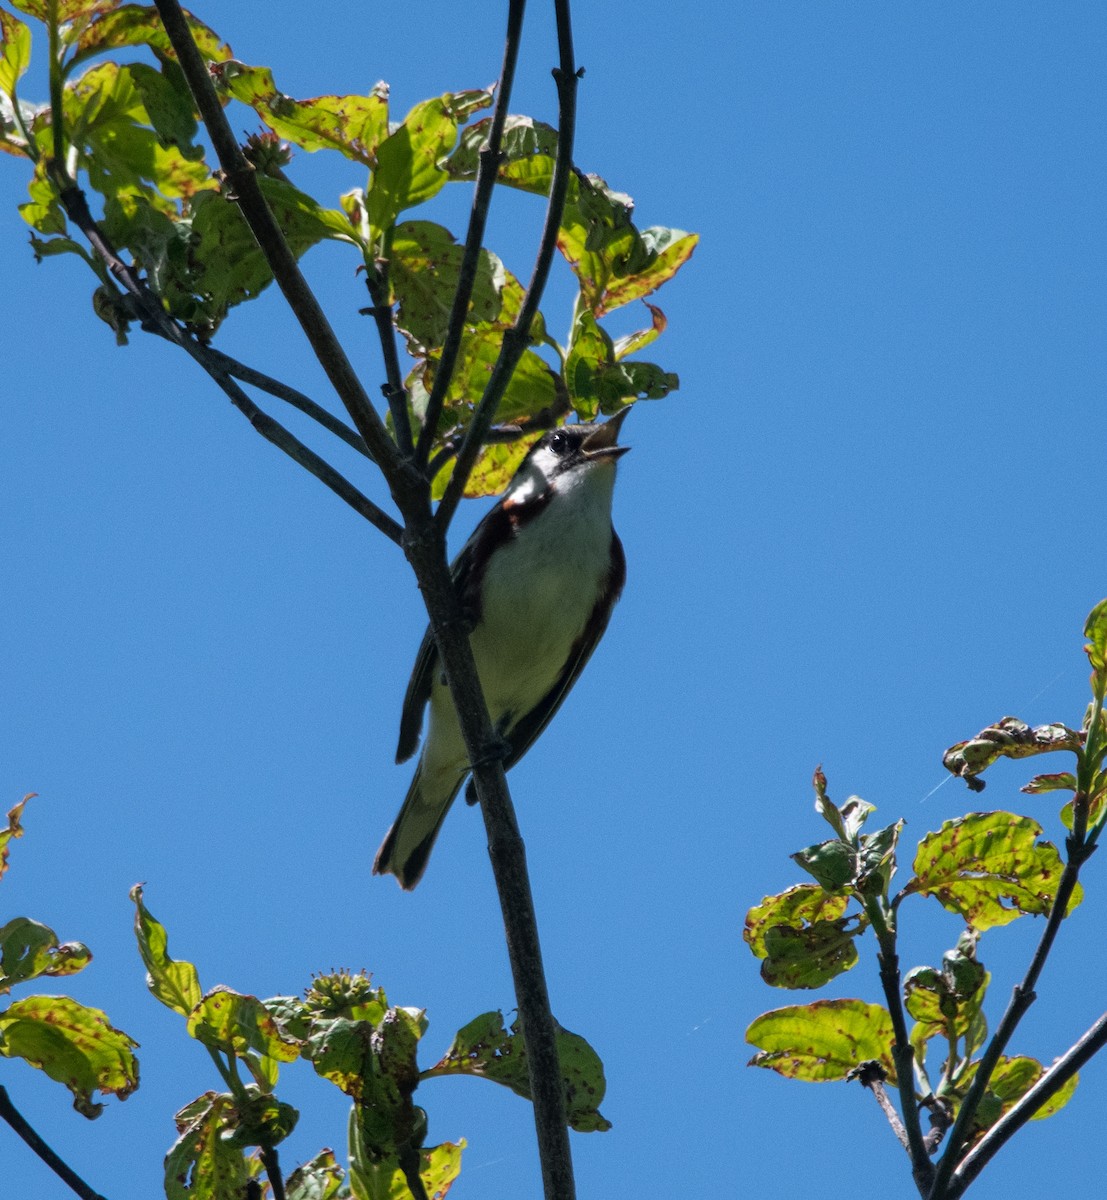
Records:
x=869, y=524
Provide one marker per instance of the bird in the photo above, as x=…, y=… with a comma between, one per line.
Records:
x=538, y=580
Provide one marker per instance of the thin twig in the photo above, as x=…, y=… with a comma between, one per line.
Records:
x=290, y=395
x=516, y=339
x=1013, y=1120
x=871, y=1075
x=1022, y=997
x=395, y=393
x=214, y=363
x=243, y=185
x=487, y=171
x=64, y=1172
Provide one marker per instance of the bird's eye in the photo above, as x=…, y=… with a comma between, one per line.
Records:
x=559, y=443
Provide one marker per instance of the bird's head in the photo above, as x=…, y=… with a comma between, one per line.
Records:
x=564, y=457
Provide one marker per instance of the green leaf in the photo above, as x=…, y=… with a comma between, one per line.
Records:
x=72, y=1044
x=409, y=166
x=803, y=904
x=28, y=950
x=1010, y=1081
x=878, y=857
x=175, y=984
x=598, y=382
x=381, y=1177
x=487, y=1049
x=1095, y=630
x=12, y=830
x=424, y=268
x=1008, y=738
x=140, y=25
x=353, y=125
x=319, y=1179
x=43, y=212
x=933, y=998
x=203, y=1164
x=491, y=473
x=803, y=937
x=822, y=1041
x=15, y=51
x=227, y=1020
x=989, y=868
x=833, y=864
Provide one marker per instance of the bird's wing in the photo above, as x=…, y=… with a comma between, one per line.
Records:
x=523, y=734
x=467, y=585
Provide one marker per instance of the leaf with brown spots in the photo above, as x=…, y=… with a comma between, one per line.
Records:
x=823, y=1041
x=990, y=868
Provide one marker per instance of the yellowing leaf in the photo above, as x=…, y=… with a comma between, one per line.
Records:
x=822, y=1041
x=990, y=869
x=175, y=984
x=72, y=1044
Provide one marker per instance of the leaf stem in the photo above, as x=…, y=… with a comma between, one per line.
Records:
x=487, y=170
x=272, y=1163
x=23, y=1129
x=517, y=337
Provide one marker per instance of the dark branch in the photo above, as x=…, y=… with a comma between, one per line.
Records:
x=517, y=337
x=243, y=184
x=394, y=391
x=489, y=165
x=60, y=1168
x=290, y=395
x=216, y=365
x=903, y=1055
x=1022, y=998
x=272, y=1164
x=1048, y=1086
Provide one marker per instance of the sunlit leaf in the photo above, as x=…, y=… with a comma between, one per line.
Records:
x=175, y=984
x=72, y=1044
x=833, y=864
x=1095, y=630
x=633, y=342
x=28, y=950
x=227, y=1020
x=204, y=1164
x=1063, y=781
x=409, y=167
x=487, y=1048
x=1008, y=738
x=492, y=471
x=319, y=1179
x=424, y=269
x=353, y=125
x=15, y=51
x=139, y=25
x=802, y=936
x=990, y=868
x=823, y=1041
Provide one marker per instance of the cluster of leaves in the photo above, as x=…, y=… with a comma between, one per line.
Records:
x=130, y=130
x=75, y=1045
x=989, y=868
x=346, y=1029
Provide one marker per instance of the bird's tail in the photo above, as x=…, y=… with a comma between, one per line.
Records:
x=407, y=845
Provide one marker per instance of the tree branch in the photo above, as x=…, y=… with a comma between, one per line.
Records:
x=290, y=395
x=1022, y=998
x=242, y=180
x=903, y=1054
x=1012, y=1121
x=487, y=170
x=64, y=1172
x=272, y=1163
x=215, y=364
x=517, y=337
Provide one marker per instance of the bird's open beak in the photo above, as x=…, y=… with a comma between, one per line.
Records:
x=601, y=442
